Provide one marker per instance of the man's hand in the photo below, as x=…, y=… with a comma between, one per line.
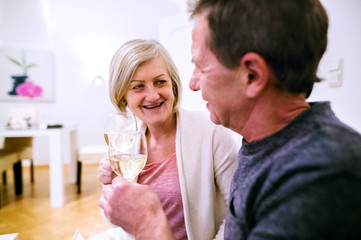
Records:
x=135, y=208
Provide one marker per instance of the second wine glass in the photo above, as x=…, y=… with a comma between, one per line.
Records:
x=127, y=145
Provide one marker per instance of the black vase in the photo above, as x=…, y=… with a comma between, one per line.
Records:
x=17, y=81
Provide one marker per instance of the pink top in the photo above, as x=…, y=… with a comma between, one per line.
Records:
x=163, y=178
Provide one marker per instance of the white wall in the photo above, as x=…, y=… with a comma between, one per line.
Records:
x=84, y=34
x=344, y=43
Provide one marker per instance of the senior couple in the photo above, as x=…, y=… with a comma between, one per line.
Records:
x=298, y=172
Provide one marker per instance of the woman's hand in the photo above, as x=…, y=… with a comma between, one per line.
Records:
x=105, y=172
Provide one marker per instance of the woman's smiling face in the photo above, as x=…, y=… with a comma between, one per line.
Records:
x=150, y=96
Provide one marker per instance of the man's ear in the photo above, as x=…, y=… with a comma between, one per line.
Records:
x=258, y=73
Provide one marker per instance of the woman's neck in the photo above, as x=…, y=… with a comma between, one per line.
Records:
x=161, y=139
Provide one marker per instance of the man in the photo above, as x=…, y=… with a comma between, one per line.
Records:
x=299, y=174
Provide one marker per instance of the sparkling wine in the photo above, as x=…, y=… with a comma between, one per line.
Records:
x=127, y=146
x=127, y=165
x=121, y=142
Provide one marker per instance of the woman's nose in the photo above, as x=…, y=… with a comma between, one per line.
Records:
x=152, y=94
x=194, y=81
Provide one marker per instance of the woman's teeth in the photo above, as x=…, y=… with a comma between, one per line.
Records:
x=154, y=106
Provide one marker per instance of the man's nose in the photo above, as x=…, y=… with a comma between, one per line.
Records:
x=194, y=81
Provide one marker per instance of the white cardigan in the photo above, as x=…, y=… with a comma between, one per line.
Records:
x=206, y=159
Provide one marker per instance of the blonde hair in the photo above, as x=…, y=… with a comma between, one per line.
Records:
x=125, y=62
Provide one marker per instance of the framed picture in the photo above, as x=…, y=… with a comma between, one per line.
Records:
x=26, y=75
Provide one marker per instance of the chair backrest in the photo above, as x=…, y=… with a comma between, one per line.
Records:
x=22, y=145
x=16, y=142
x=7, y=159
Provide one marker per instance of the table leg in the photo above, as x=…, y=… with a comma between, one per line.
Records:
x=56, y=170
x=73, y=154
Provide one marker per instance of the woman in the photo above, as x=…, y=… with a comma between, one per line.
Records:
x=190, y=161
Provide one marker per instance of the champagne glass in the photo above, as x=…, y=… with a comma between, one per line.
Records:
x=127, y=146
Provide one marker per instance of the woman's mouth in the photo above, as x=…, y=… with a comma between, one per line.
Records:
x=152, y=106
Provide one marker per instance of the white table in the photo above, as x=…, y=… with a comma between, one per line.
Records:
x=12, y=236
x=62, y=148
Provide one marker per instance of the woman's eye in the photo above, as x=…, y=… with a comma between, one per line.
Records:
x=136, y=87
x=161, y=82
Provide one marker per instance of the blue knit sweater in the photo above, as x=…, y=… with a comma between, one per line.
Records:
x=303, y=182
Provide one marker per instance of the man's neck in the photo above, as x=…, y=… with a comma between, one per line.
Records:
x=272, y=113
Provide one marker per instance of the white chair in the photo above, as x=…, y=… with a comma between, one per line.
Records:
x=89, y=155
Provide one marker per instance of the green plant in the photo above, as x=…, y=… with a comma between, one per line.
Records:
x=23, y=64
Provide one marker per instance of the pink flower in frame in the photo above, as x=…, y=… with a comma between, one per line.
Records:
x=29, y=89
